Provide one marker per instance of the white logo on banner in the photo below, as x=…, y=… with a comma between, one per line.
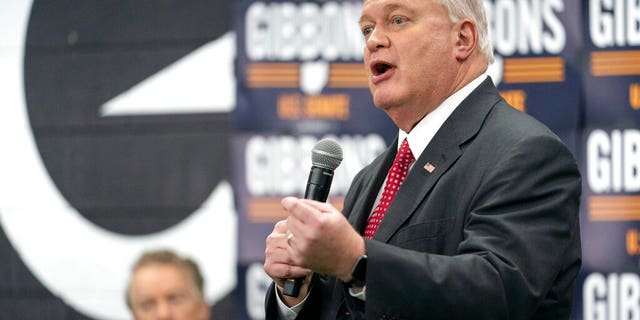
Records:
x=314, y=76
x=83, y=264
x=207, y=70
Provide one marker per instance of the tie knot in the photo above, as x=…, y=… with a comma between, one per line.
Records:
x=404, y=156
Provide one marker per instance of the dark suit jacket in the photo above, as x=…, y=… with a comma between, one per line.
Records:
x=491, y=233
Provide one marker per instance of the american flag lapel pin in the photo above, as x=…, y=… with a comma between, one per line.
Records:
x=429, y=167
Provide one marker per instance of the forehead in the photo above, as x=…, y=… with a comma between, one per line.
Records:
x=382, y=7
x=154, y=276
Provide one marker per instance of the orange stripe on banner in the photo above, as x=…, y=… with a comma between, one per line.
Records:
x=347, y=71
x=262, y=210
x=608, y=71
x=551, y=62
x=633, y=54
x=287, y=75
x=273, y=71
x=273, y=85
x=617, y=216
x=347, y=85
x=348, y=75
x=347, y=66
x=275, y=65
x=614, y=208
x=615, y=63
x=618, y=65
x=536, y=73
x=534, y=79
x=269, y=209
x=527, y=70
x=273, y=75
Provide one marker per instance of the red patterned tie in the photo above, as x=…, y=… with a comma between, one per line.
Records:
x=396, y=176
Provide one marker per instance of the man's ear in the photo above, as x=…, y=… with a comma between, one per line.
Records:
x=467, y=39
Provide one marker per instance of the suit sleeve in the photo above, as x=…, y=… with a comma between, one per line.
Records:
x=520, y=236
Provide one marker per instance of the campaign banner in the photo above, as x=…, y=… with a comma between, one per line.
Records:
x=535, y=69
x=300, y=78
x=610, y=283
x=253, y=283
x=300, y=69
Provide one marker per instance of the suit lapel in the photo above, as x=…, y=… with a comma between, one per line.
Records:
x=441, y=153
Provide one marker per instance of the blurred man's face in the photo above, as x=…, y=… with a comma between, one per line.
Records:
x=160, y=291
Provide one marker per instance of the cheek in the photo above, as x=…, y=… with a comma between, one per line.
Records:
x=425, y=63
x=365, y=64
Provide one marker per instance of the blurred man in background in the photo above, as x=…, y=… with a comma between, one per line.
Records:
x=164, y=285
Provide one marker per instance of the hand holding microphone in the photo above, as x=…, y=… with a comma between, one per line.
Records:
x=326, y=156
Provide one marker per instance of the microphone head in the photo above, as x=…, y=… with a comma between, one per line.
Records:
x=326, y=154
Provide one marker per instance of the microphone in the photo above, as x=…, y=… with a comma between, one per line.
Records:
x=326, y=156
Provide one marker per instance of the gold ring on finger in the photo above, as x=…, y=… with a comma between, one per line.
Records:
x=289, y=237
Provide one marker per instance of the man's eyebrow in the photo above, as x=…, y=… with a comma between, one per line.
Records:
x=363, y=19
x=387, y=9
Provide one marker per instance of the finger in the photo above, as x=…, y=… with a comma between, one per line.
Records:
x=281, y=226
x=281, y=271
x=294, y=250
x=297, y=208
x=322, y=207
x=275, y=241
x=277, y=256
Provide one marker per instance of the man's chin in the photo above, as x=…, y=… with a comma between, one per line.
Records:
x=384, y=101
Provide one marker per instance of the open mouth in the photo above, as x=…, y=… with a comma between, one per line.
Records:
x=380, y=68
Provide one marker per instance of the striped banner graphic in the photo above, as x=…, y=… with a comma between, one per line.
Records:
x=347, y=75
x=273, y=75
x=287, y=75
x=532, y=70
x=614, y=208
x=615, y=63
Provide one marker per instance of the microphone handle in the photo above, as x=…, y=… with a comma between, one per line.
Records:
x=318, y=187
x=318, y=184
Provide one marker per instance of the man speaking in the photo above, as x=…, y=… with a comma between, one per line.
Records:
x=472, y=213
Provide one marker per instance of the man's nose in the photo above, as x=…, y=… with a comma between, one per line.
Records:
x=163, y=311
x=377, y=39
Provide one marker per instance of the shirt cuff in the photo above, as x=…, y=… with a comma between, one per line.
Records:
x=358, y=294
x=286, y=312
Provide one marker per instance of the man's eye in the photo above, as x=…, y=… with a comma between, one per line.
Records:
x=147, y=305
x=398, y=20
x=367, y=31
x=177, y=299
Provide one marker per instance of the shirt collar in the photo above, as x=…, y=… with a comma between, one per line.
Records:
x=426, y=129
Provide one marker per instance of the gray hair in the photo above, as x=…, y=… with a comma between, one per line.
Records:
x=475, y=11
